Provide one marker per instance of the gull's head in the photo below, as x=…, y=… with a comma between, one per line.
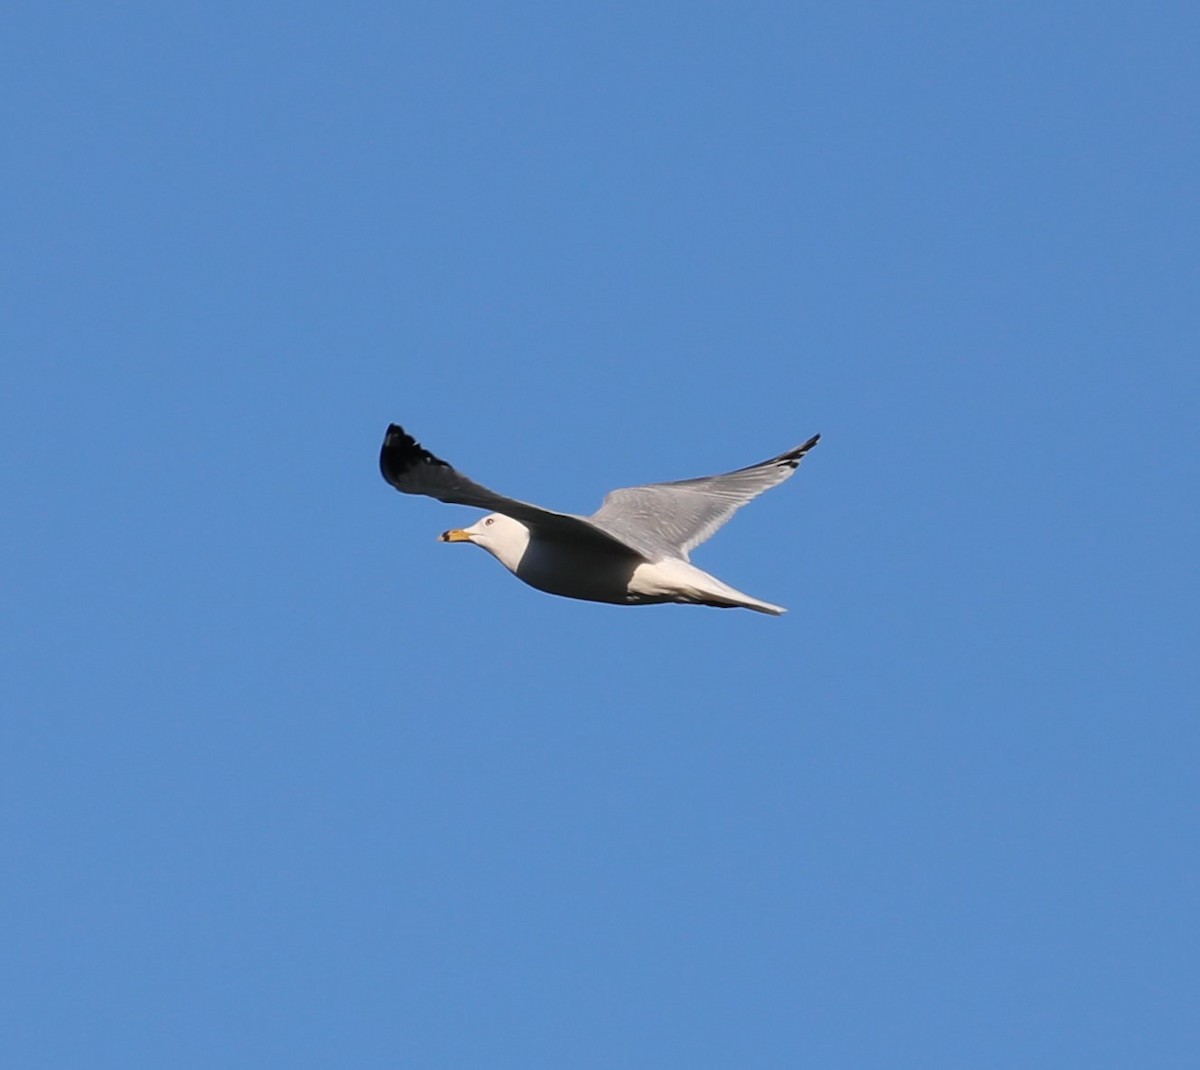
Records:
x=500, y=535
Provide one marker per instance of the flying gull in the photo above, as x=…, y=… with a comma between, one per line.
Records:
x=633, y=551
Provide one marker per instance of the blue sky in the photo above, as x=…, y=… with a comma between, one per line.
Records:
x=287, y=783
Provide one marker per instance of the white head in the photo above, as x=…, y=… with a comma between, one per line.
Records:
x=501, y=536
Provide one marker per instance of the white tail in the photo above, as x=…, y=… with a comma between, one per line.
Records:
x=715, y=593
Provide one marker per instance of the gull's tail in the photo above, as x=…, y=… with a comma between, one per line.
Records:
x=764, y=607
x=707, y=590
x=744, y=601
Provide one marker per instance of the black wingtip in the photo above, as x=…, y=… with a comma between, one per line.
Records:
x=793, y=457
x=400, y=453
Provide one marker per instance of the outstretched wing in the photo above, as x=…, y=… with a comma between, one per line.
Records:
x=669, y=519
x=412, y=469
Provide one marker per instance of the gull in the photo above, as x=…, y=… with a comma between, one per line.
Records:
x=632, y=551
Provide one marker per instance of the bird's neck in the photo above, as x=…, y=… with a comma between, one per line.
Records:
x=512, y=550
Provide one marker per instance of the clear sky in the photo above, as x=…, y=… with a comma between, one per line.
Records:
x=287, y=783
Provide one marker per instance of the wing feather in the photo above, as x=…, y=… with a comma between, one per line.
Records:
x=670, y=519
x=412, y=469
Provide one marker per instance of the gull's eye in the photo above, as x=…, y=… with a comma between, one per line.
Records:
x=489, y=521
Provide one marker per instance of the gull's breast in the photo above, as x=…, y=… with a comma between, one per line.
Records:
x=593, y=573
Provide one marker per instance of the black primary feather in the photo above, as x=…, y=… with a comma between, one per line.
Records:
x=401, y=453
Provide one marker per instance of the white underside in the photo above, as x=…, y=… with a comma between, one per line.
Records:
x=601, y=570
x=681, y=581
x=597, y=576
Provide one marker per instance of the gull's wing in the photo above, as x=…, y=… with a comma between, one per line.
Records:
x=669, y=519
x=410, y=468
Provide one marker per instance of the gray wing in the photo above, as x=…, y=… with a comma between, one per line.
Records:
x=670, y=519
x=412, y=469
